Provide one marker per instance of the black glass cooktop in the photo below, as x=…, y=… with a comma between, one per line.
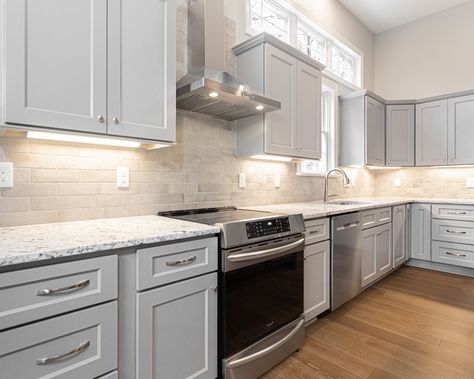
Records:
x=212, y=216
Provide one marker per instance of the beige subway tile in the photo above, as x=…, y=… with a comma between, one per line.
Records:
x=55, y=203
x=196, y=197
x=97, y=176
x=30, y=190
x=26, y=160
x=111, y=189
x=184, y=187
x=27, y=218
x=80, y=214
x=100, y=201
x=121, y=212
x=169, y=198
x=136, y=200
x=68, y=189
x=14, y=204
x=154, y=188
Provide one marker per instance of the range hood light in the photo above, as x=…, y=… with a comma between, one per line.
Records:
x=271, y=158
x=81, y=139
x=213, y=94
x=259, y=107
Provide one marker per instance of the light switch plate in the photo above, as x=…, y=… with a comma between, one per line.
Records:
x=397, y=182
x=6, y=174
x=277, y=180
x=123, y=177
x=470, y=182
x=242, y=180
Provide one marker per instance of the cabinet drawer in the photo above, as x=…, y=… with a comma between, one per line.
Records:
x=453, y=212
x=80, y=345
x=41, y=292
x=375, y=217
x=316, y=230
x=453, y=231
x=453, y=254
x=169, y=263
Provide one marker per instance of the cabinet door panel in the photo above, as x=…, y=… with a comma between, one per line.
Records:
x=432, y=133
x=461, y=130
x=421, y=232
x=308, y=112
x=400, y=135
x=316, y=279
x=280, y=82
x=56, y=62
x=142, y=69
x=374, y=132
x=369, y=250
x=177, y=330
x=399, y=235
x=384, y=250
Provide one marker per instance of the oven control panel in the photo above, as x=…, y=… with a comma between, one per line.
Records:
x=264, y=228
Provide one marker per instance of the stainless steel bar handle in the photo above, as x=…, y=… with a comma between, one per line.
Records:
x=53, y=291
x=182, y=262
x=454, y=231
x=348, y=226
x=264, y=253
x=456, y=255
x=456, y=213
x=81, y=348
x=267, y=350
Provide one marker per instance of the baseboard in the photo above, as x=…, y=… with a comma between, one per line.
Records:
x=441, y=267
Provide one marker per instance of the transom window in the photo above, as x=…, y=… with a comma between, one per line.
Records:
x=279, y=18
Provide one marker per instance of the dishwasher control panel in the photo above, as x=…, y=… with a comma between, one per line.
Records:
x=257, y=229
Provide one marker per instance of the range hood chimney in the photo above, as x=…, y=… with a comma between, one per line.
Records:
x=207, y=88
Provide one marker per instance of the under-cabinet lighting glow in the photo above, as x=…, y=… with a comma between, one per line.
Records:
x=272, y=158
x=383, y=168
x=259, y=107
x=213, y=94
x=81, y=139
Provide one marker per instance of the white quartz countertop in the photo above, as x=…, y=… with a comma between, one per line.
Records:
x=318, y=209
x=25, y=244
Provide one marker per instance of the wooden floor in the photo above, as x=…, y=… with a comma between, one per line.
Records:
x=413, y=324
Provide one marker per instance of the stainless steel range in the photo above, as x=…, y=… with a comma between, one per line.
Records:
x=261, y=286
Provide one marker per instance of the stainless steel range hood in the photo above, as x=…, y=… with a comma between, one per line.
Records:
x=207, y=88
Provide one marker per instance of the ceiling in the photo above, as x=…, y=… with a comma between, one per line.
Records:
x=381, y=15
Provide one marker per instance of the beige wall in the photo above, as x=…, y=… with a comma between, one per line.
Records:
x=333, y=17
x=428, y=57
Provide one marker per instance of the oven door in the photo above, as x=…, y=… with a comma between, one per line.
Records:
x=263, y=291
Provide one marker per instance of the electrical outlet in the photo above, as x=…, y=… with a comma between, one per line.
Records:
x=277, y=180
x=6, y=174
x=397, y=182
x=241, y=180
x=123, y=177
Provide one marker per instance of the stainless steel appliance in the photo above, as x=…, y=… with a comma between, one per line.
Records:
x=261, y=287
x=346, y=265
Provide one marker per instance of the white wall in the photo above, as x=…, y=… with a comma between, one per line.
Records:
x=333, y=17
x=428, y=57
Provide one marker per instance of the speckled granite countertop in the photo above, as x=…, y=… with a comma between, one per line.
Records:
x=25, y=244
x=317, y=209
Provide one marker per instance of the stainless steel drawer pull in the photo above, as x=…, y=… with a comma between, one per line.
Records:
x=456, y=255
x=81, y=348
x=182, y=262
x=456, y=213
x=314, y=231
x=454, y=231
x=54, y=291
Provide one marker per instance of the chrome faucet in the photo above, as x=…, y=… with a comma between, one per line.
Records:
x=326, y=182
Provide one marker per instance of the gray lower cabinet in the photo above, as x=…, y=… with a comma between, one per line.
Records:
x=79, y=345
x=432, y=133
x=400, y=135
x=316, y=279
x=453, y=253
x=421, y=231
x=376, y=253
x=112, y=375
x=461, y=130
x=177, y=330
x=399, y=235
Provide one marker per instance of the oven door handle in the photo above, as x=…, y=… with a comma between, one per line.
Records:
x=265, y=253
x=267, y=350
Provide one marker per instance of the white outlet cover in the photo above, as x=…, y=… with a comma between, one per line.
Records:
x=397, y=182
x=123, y=177
x=6, y=174
x=470, y=182
x=277, y=181
x=242, y=180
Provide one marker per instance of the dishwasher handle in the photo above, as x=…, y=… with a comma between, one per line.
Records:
x=346, y=226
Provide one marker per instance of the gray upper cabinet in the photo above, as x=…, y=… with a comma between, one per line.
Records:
x=421, y=231
x=283, y=73
x=400, y=135
x=362, y=139
x=142, y=69
x=461, y=130
x=56, y=79
x=432, y=133
x=110, y=71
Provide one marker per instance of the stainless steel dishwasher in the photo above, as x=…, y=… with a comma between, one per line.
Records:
x=346, y=263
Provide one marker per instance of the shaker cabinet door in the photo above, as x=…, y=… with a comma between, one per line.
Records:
x=421, y=231
x=400, y=135
x=432, y=133
x=55, y=64
x=374, y=132
x=369, y=253
x=461, y=130
x=142, y=69
x=399, y=235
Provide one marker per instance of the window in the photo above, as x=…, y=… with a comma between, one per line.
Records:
x=327, y=137
x=266, y=16
x=279, y=18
